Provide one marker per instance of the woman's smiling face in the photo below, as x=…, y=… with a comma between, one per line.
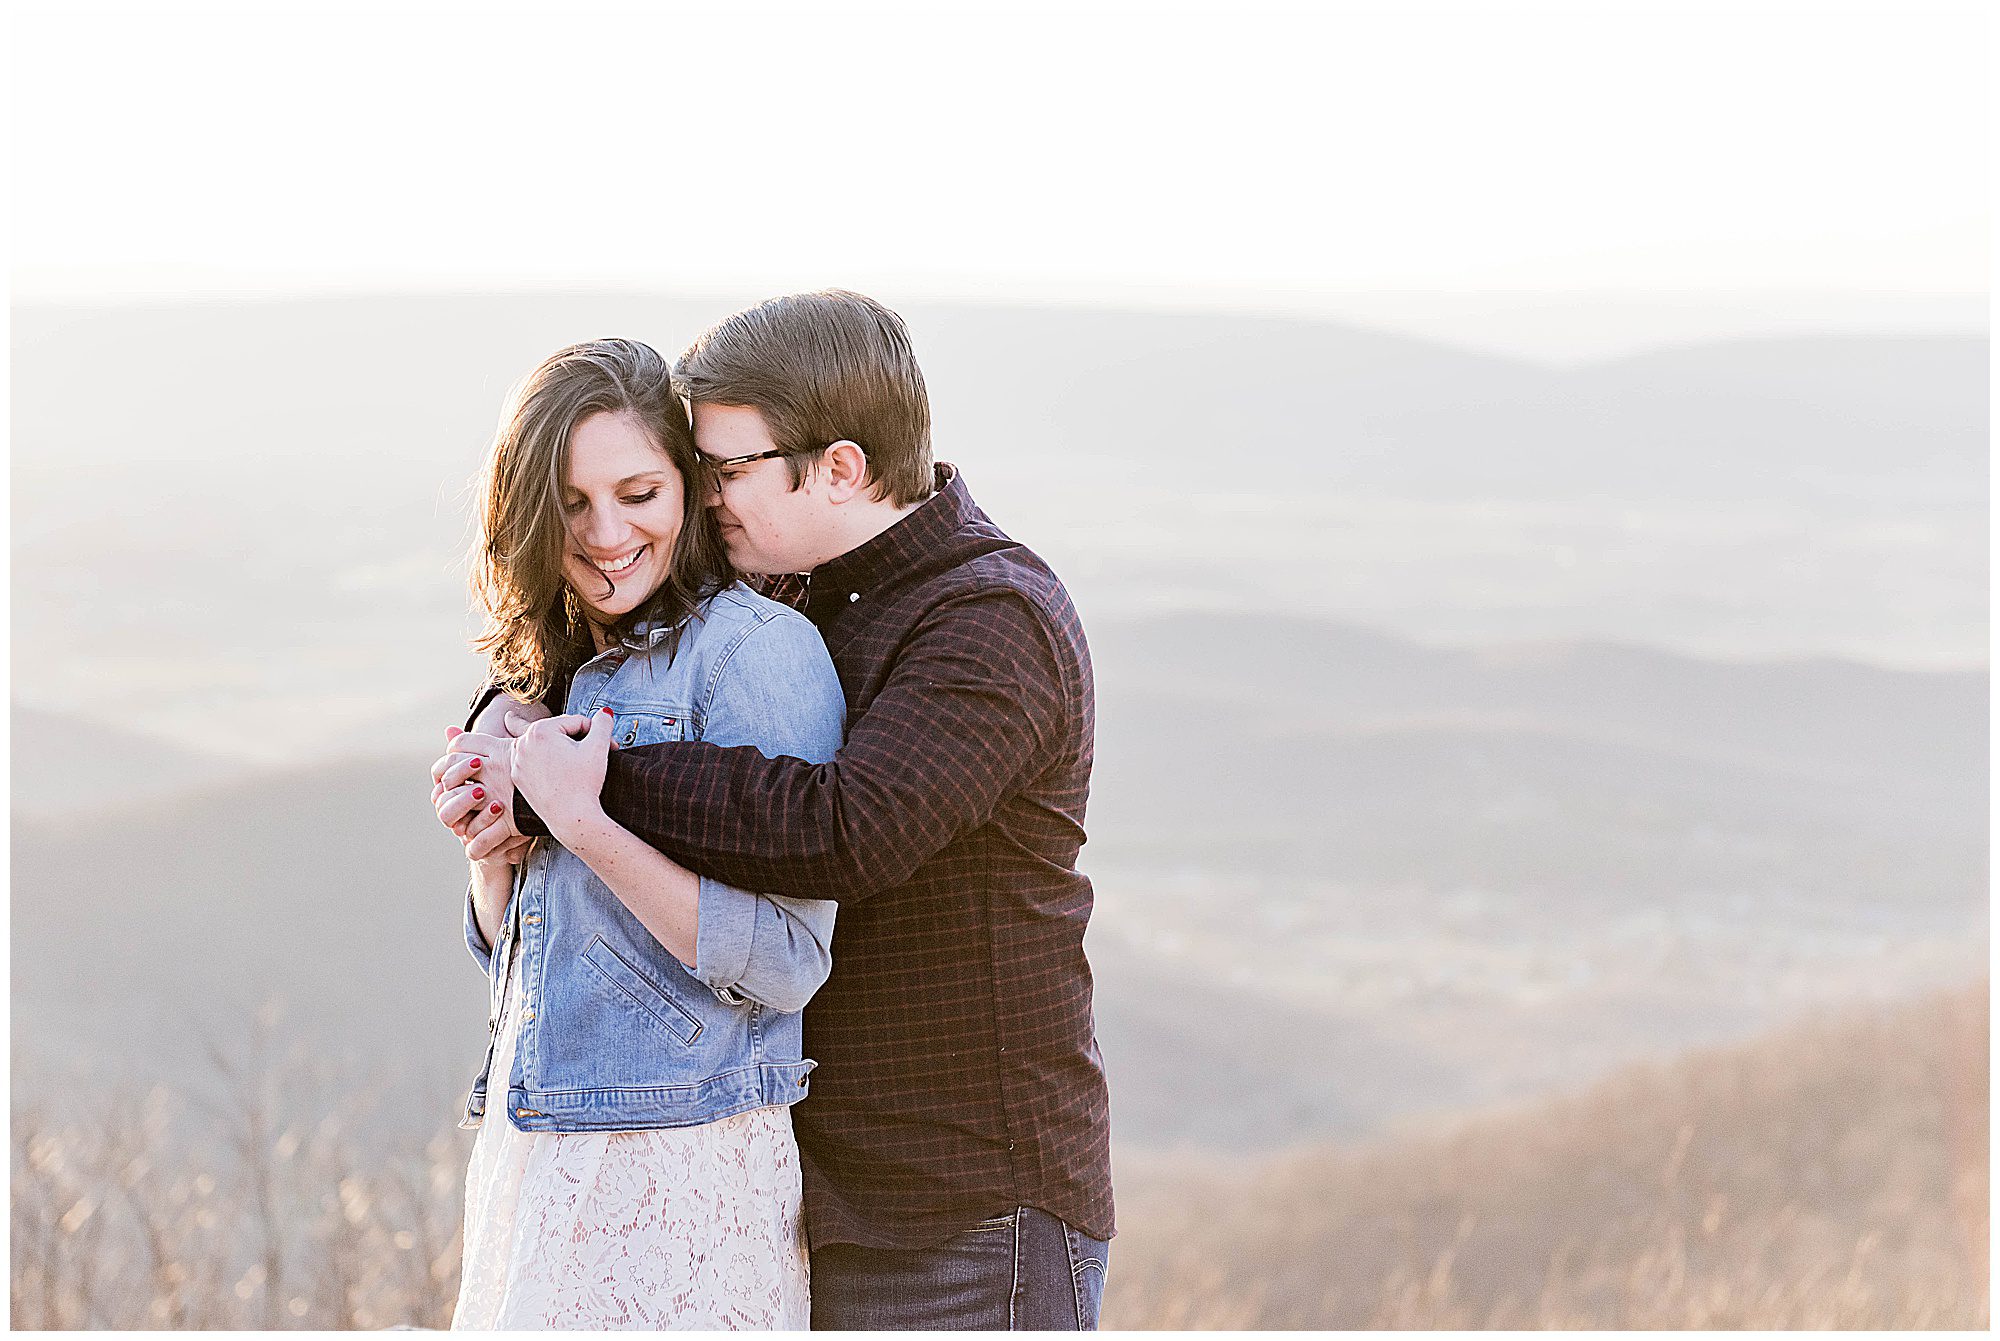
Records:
x=622, y=505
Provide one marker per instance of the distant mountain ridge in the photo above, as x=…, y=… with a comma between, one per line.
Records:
x=1592, y=772
x=1833, y=418
x=1839, y=720
x=1284, y=759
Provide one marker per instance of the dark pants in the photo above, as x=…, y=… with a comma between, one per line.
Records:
x=1023, y=1272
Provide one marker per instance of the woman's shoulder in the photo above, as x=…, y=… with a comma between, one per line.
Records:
x=736, y=625
x=737, y=606
x=767, y=679
x=736, y=617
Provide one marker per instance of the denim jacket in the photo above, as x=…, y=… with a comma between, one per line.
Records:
x=616, y=1034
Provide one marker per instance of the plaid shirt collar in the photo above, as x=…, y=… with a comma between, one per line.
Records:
x=903, y=546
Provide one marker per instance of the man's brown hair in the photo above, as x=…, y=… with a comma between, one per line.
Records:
x=821, y=367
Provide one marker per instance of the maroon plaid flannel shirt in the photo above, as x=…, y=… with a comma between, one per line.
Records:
x=959, y=1072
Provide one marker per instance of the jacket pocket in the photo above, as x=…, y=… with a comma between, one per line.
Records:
x=643, y=992
x=649, y=727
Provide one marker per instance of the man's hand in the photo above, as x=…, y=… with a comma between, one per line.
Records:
x=559, y=766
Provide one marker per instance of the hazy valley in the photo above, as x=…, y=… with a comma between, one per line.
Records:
x=1469, y=730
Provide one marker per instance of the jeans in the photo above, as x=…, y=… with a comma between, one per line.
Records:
x=1025, y=1271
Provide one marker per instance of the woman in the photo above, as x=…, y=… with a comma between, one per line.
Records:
x=645, y=1027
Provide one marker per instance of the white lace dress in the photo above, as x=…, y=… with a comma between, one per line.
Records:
x=682, y=1227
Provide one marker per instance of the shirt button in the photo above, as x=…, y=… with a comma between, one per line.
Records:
x=853, y=596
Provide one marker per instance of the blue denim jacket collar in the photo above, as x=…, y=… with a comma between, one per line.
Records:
x=650, y=633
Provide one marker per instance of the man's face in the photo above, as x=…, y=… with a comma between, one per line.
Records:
x=768, y=526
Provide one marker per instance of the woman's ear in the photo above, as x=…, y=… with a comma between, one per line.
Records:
x=846, y=470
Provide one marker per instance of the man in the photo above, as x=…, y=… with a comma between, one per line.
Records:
x=956, y=1143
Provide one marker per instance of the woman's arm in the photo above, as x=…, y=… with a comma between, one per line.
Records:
x=492, y=878
x=776, y=949
x=493, y=719
x=777, y=691
x=768, y=948
x=492, y=886
x=662, y=894
x=562, y=779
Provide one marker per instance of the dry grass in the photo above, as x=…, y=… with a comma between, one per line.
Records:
x=265, y=1200
x=1832, y=1177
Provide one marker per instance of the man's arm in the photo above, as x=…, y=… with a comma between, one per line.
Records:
x=971, y=709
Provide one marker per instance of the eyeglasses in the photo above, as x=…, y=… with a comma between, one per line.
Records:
x=712, y=466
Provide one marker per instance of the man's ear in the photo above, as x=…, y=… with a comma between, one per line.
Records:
x=845, y=471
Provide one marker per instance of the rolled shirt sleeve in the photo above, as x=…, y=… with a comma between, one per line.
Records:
x=766, y=947
x=777, y=692
x=481, y=951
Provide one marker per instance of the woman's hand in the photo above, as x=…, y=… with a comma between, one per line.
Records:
x=470, y=783
x=470, y=786
x=559, y=766
x=507, y=856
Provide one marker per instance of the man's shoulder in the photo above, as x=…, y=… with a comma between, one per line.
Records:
x=973, y=569
x=1014, y=568
x=998, y=573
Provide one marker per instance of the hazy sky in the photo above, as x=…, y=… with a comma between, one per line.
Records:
x=1675, y=166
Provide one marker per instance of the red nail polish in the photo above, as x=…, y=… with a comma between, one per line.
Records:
x=606, y=711
x=474, y=763
x=496, y=807
x=479, y=793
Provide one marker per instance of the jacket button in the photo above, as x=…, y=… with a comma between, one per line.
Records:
x=527, y=1016
x=802, y=1082
x=853, y=596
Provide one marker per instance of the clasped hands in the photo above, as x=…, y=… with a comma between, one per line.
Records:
x=558, y=763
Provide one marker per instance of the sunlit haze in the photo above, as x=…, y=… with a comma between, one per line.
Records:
x=1666, y=173
x=1523, y=472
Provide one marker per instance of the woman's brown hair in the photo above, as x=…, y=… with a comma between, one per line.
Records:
x=536, y=635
